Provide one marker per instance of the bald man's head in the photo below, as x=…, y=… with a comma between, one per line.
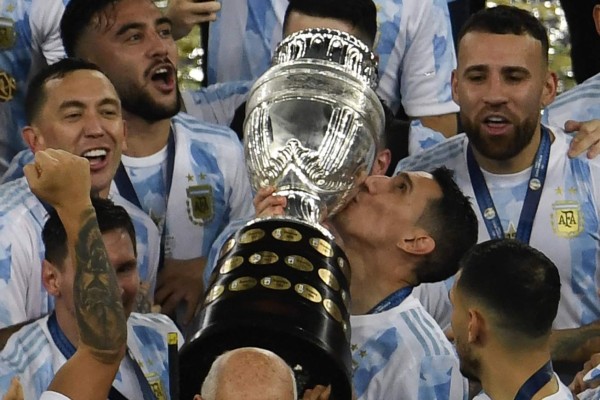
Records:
x=252, y=372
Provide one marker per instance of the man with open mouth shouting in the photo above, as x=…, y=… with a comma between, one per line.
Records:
x=188, y=176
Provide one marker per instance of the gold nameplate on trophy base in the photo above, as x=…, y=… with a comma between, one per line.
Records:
x=263, y=258
x=287, y=235
x=231, y=264
x=300, y=263
x=308, y=292
x=333, y=309
x=214, y=293
x=329, y=279
x=275, y=282
x=322, y=247
x=252, y=236
x=243, y=283
x=226, y=247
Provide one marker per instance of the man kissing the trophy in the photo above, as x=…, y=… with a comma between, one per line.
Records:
x=313, y=126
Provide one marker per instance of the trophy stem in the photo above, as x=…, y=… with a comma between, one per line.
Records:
x=303, y=205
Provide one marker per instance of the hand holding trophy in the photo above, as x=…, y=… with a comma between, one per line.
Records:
x=312, y=128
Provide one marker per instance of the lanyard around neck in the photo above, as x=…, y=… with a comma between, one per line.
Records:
x=535, y=382
x=532, y=198
x=392, y=300
x=127, y=190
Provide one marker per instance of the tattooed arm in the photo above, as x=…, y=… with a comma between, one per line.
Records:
x=63, y=180
x=575, y=345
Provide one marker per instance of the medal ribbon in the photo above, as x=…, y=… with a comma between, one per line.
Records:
x=532, y=198
x=392, y=300
x=127, y=190
x=535, y=382
x=67, y=350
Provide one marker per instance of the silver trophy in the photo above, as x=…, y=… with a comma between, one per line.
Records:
x=313, y=122
x=312, y=129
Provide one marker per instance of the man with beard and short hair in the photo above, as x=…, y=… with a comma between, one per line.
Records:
x=505, y=298
x=188, y=176
x=518, y=171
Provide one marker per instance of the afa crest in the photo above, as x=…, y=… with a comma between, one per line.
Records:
x=8, y=36
x=8, y=86
x=200, y=204
x=567, y=221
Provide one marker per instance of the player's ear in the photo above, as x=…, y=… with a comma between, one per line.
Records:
x=51, y=278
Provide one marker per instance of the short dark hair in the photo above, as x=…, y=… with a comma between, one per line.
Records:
x=452, y=223
x=361, y=14
x=109, y=216
x=77, y=18
x=504, y=20
x=394, y=138
x=36, y=92
x=518, y=283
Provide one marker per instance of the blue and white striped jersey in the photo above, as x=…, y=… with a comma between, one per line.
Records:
x=22, y=218
x=216, y=103
x=209, y=187
x=591, y=394
x=402, y=353
x=415, y=47
x=34, y=356
x=581, y=103
x=29, y=40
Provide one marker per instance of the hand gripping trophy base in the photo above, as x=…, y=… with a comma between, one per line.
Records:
x=280, y=284
x=313, y=125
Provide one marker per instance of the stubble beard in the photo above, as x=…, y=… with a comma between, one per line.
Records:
x=469, y=365
x=501, y=148
x=139, y=102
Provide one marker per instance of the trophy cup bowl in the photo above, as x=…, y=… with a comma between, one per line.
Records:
x=312, y=129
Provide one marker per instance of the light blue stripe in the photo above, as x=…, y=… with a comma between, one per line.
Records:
x=417, y=332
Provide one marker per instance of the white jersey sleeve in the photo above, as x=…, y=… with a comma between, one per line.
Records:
x=49, y=395
x=581, y=103
x=416, y=54
x=242, y=39
x=45, y=25
x=15, y=168
x=209, y=187
x=21, y=252
x=218, y=102
x=421, y=137
x=402, y=354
